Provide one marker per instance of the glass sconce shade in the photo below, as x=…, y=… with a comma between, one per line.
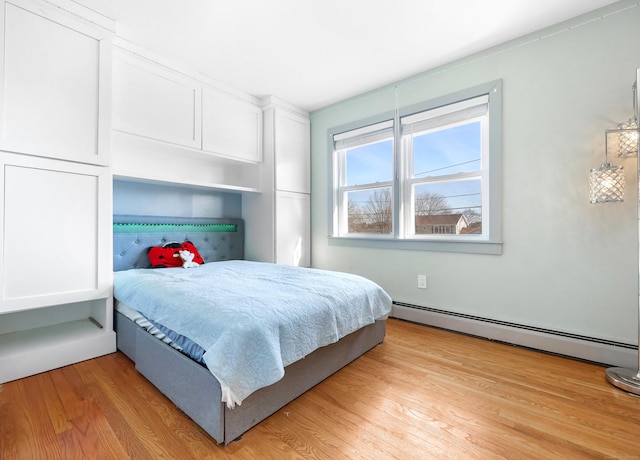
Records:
x=628, y=138
x=606, y=184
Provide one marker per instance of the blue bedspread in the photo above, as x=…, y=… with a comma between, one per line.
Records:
x=253, y=318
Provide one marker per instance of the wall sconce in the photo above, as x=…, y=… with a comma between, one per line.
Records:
x=606, y=183
x=627, y=132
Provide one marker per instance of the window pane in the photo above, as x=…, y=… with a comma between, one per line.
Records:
x=370, y=163
x=447, y=151
x=370, y=211
x=453, y=208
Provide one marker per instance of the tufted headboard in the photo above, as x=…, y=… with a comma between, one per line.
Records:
x=215, y=239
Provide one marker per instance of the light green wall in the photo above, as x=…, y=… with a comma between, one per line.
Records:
x=566, y=265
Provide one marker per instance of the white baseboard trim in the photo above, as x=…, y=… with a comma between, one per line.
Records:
x=585, y=348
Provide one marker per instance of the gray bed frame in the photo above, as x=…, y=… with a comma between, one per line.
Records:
x=188, y=384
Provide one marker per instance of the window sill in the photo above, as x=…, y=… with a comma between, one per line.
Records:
x=469, y=247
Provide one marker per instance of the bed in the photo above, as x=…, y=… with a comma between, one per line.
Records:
x=161, y=358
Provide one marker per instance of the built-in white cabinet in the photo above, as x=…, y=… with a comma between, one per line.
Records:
x=155, y=102
x=164, y=114
x=231, y=126
x=55, y=187
x=55, y=90
x=55, y=232
x=292, y=228
x=292, y=151
x=279, y=219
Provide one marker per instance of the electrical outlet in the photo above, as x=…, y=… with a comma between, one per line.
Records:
x=422, y=281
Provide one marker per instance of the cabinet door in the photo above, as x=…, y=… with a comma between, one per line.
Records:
x=293, y=229
x=55, y=85
x=292, y=152
x=55, y=232
x=231, y=126
x=155, y=102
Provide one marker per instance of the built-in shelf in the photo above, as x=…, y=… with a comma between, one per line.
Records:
x=32, y=351
x=141, y=159
x=137, y=177
x=39, y=339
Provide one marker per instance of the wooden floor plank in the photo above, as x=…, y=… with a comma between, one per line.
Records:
x=424, y=393
x=34, y=432
x=130, y=398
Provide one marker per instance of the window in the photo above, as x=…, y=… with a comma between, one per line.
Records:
x=445, y=151
x=364, y=160
x=428, y=174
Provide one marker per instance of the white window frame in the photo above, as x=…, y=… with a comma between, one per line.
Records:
x=490, y=242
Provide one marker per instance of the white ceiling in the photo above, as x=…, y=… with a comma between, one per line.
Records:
x=312, y=53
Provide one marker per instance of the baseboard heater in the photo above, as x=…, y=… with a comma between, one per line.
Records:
x=606, y=352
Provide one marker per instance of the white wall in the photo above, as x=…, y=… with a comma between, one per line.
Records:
x=566, y=265
x=149, y=199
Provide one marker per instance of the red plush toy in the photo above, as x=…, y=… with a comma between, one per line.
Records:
x=168, y=255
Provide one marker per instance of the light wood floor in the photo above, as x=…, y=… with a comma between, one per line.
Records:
x=424, y=393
